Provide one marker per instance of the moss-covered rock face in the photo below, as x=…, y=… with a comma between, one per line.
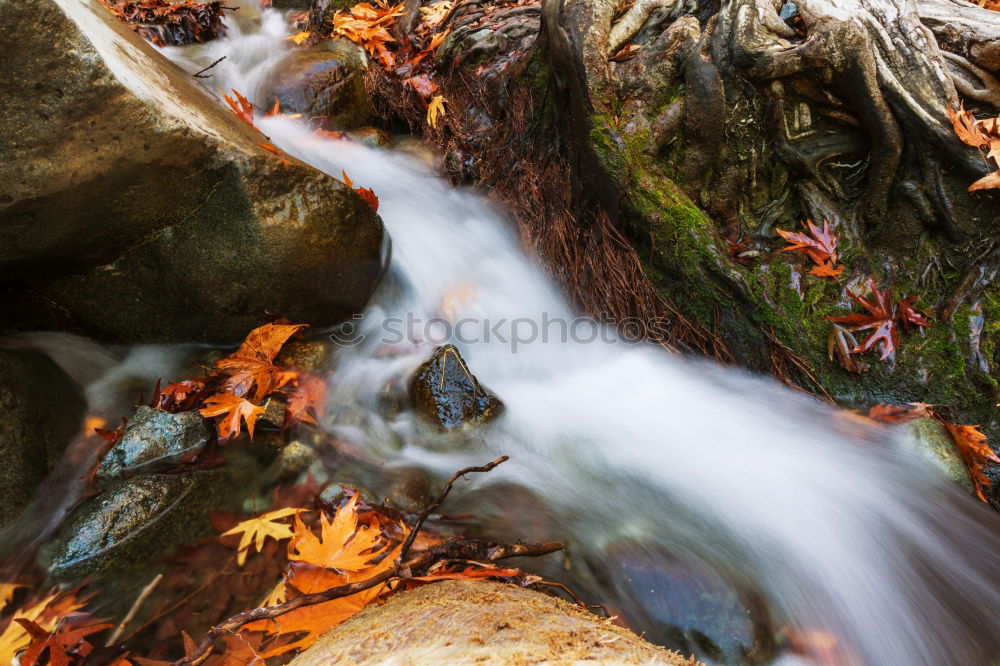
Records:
x=325, y=82
x=147, y=211
x=768, y=306
x=153, y=438
x=40, y=409
x=446, y=394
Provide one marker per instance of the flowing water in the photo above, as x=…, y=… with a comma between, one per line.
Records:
x=644, y=463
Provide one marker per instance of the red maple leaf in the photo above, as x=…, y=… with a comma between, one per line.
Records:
x=821, y=247
x=880, y=320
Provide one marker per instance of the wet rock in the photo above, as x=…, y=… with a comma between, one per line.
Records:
x=446, y=393
x=129, y=198
x=407, y=488
x=291, y=4
x=137, y=520
x=372, y=137
x=293, y=459
x=335, y=494
x=275, y=408
x=306, y=355
x=40, y=412
x=480, y=622
x=931, y=441
x=689, y=608
x=324, y=82
x=154, y=438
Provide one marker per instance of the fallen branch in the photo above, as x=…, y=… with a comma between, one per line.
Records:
x=461, y=549
x=200, y=73
x=404, y=551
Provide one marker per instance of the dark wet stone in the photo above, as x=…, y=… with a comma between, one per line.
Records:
x=372, y=137
x=326, y=81
x=306, y=355
x=135, y=520
x=334, y=493
x=40, y=412
x=407, y=488
x=688, y=608
x=275, y=406
x=152, y=438
x=446, y=393
x=150, y=213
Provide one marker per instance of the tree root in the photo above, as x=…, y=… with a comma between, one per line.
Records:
x=632, y=21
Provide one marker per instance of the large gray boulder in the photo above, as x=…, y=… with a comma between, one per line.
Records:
x=134, y=204
x=40, y=411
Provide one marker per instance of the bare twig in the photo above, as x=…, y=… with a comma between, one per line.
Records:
x=482, y=551
x=200, y=74
x=146, y=591
x=404, y=551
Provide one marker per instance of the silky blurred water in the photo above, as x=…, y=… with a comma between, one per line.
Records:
x=632, y=455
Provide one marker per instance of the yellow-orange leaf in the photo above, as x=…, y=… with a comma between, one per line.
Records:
x=435, y=110
x=233, y=409
x=265, y=341
x=987, y=182
x=299, y=37
x=256, y=530
x=342, y=543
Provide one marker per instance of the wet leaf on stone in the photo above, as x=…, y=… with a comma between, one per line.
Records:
x=975, y=450
x=233, y=409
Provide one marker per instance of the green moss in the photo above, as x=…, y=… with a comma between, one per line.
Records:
x=680, y=251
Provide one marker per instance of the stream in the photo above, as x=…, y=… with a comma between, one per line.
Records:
x=688, y=494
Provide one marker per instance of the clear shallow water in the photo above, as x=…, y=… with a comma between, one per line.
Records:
x=638, y=459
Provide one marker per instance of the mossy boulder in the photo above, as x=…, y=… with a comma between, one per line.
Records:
x=137, y=520
x=447, y=395
x=481, y=622
x=41, y=410
x=136, y=208
x=325, y=82
x=152, y=438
